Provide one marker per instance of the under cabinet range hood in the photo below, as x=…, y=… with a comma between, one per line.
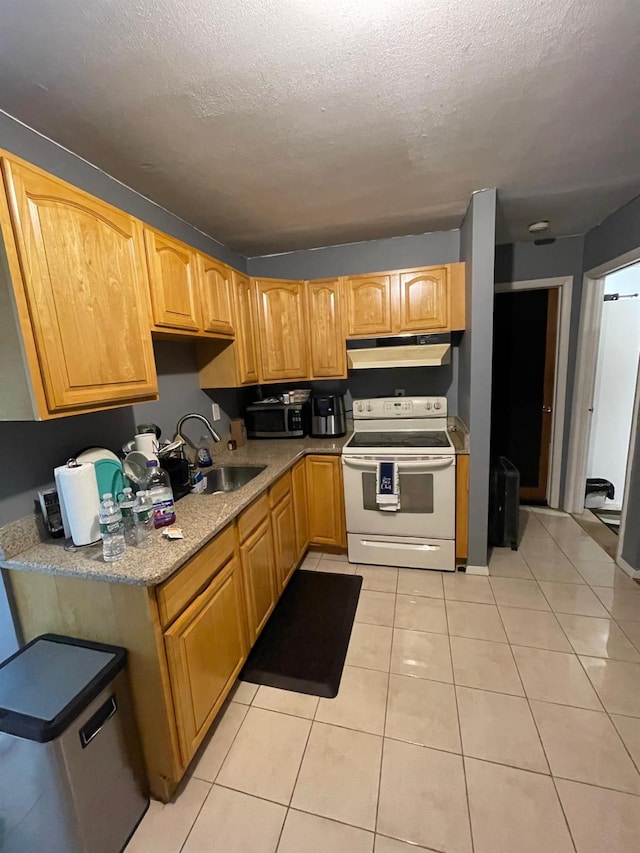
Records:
x=399, y=351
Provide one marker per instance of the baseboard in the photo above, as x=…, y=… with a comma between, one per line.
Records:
x=477, y=570
x=628, y=569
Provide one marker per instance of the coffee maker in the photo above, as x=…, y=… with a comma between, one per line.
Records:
x=328, y=417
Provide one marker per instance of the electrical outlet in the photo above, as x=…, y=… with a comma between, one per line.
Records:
x=399, y=392
x=215, y=411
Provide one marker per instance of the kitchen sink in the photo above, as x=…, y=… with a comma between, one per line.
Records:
x=229, y=478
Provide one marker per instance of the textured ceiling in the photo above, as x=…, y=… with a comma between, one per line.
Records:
x=275, y=125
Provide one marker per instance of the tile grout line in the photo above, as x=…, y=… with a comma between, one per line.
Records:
x=455, y=697
x=384, y=722
x=182, y=846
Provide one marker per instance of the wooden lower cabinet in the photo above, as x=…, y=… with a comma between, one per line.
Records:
x=300, y=511
x=325, y=501
x=284, y=540
x=206, y=648
x=462, y=507
x=259, y=574
x=188, y=637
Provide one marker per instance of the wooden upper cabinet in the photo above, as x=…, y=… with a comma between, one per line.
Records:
x=326, y=330
x=282, y=328
x=369, y=305
x=206, y=648
x=173, y=273
x=423, y=300
x=83, y=289
x=246, y=347
x=215, y=296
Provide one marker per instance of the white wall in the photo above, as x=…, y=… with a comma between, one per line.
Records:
x=616, y=377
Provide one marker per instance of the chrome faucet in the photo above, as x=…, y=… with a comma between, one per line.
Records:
x=214, y=435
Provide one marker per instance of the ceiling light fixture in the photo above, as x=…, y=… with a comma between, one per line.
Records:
x=537, y=227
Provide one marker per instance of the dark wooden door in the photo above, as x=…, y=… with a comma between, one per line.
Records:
x=524, y=365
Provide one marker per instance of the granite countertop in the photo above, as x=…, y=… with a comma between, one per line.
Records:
x=201, y=517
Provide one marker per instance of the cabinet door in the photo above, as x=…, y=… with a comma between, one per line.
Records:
x=258, y=568
x=206, y=648
x=424, y=300
x=284, y=540
x=174, y=283
x=300, y=513
x=246, y=349
x=325, y=501
x=369, y=305
x=326, y=331
x=215, y=296
x=282, y=327
x=86, y=287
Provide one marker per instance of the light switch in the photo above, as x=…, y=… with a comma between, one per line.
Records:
x=215, y=411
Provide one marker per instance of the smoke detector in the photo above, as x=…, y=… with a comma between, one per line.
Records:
x=538, y=227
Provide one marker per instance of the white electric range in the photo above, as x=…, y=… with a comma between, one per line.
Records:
x=412, y=433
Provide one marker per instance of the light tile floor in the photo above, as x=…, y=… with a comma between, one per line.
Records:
x=474, y=714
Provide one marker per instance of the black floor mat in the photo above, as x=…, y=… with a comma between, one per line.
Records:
x=304, y=644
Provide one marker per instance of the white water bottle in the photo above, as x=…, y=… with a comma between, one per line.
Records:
x=143, y=515
x=125, y=502
x=111, y=530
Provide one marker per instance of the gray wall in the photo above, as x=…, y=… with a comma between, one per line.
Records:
x=26, y=143
x=438, y=247
x=33, y=449
x=618, y=234
x=474, y=375
x=527, y=262
x=631, y=542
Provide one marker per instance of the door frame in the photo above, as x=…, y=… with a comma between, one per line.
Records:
x=584, y=386
x=565, y=288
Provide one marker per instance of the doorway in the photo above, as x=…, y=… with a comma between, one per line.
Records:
x=525, y=333
x=532, y=321
x=614, y=392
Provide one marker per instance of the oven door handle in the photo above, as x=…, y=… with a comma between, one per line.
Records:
x=432, y=464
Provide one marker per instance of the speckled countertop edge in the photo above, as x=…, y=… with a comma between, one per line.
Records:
x=201, y=517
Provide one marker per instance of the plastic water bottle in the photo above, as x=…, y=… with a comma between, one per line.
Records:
x=111, y=529
x=126, y=502
x=143, y=515
x=159, y=488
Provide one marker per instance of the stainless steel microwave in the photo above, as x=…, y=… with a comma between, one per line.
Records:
x=277, y=420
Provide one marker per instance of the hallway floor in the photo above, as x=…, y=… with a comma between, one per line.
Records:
x=490, y=715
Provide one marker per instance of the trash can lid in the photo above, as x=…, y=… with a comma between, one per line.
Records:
x=47, y=684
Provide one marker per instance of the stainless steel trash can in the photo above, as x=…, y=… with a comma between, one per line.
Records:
x=69, y=768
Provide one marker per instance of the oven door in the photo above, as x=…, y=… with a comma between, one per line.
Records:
x=427, y=496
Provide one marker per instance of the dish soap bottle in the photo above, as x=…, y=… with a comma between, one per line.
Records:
x=111, y=530
x=204, y=454
x=159, y=487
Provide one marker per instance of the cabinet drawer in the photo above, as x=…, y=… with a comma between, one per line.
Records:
x=182, y=587
x=280, y=489
x=252, y=516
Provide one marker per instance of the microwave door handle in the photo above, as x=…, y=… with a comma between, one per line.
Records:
x=423, y=465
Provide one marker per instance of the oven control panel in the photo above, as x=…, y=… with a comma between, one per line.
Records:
x=400, y=407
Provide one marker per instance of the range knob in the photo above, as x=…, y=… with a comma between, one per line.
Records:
x=437, y=405
x=369, y=407
x=359, y=407
x=427, y=406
